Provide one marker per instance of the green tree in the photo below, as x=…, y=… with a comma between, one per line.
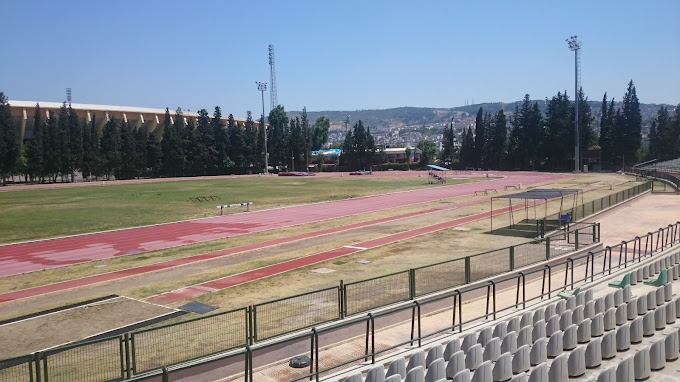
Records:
x=277, y=137
x=172, y=148
x=587, y=135
x=127, y=168
x=34, y=149
x=154, y=155
x=237, y=143
x=320, y=132
x=62, y=143
x=606, y=138
x=252, y=156
x=110, y=148
x=306, y=133
x=628, y=127
x=222, y=161
x=559, y=121
x=663, y=136
x=467, y=149
x=75, y=142
x=9, y=140
x=497, y=139
x=527, y=136
x=448, y=139
x=480, y=138
x=261, y=139
x=91, y=154
x=140, y=138
x=429, y=149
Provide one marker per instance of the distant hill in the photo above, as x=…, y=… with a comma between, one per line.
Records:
x=410, y=116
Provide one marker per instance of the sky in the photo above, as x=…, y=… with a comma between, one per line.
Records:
x=340, y=55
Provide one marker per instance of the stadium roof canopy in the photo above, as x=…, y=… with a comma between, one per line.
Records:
x=438, y=168
x=540, y=193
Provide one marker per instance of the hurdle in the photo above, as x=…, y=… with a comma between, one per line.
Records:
x=246, y=204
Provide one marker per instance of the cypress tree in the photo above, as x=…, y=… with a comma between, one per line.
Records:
x=9, y=140
x=34, y=151
x=62, y=142
x=306, y=133
x=75, y=142
x=467, y=149
x=559, y=122
x=127, y=168
x=154, y=155
x=320, y=132
x=480, y=138
x=631, y=124
x=236, y=142
x=250, y=142
x=140, y=139
x=50, y=147
x=497, y=139
x=222, y=161
x=110, y=148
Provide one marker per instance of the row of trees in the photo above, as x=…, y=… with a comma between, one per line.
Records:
x=536, y=141
x=664, y=135
x=64, y=144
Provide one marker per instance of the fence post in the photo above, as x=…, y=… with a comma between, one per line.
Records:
x=128, y=368
x=512, y=257
x=575, y=239
x=547, y=248
x=412, y=284
x=343, y=309
x=36, y=358
x=467, y=269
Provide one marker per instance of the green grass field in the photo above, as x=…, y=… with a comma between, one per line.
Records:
x=35, y=214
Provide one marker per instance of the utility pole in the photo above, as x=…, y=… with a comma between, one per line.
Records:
x=575, y=46
x=262, y=87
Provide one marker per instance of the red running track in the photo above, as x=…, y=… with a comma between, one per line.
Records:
x=194, y=291
x=44, y=254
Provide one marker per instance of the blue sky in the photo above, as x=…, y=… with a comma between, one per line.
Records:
x=341, y=55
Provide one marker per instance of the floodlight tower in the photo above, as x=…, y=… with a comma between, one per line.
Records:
x=68, y=95
x=575, y=46
x=262, y=87
x=273, y=101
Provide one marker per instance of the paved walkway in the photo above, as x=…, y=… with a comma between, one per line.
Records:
x=44, y=254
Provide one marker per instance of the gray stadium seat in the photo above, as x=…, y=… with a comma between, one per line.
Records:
x=677, y=307
x=514, y=324
x=645, y=272
x=580, y=299
x=642, y=364
x=549, y=311
x=538, y=331
x=452, y=347
x=492, y=350
x=376, y=374
x=500, y=330
x=660, y=318
x=539, y=352
x=555, y=345
x=417, y=374
x=627, y=293
x=537, y=316
x=625, y=370
x=609, y=301
x=657, y=355
x=623, y=337
x=473, y=357
x=651, y=300
x=597, y=325
x=462, y=376
x=589, y=295
x=397, y=367
x=634, y=278
x=521, y=361
x=618, y=298
x=355, y=378
x=539, y=373
x=673, y=346
x=609, y=345
x=559, y=369
x=577, y=315
x=594, y=353
x=522, y=377
x=569, y=339
x=660, y=295
x=509, y=343
x=571, y=303
x=583, y=331
x=417, y=359
x=667, y=292
x=648, y=324
x=485, y=335
x=609, y=319
x=636, y=330
x=502, y=369
x=577, y=362
x=393, y=378
x=469, y=340
x=607, y=375
x=640, y=274
x=631, y=308
x=434, y=353
x=524, y=336
x=552, y=325
x=483, y=373
x=600, y=306
x=621, y=314
x=565, y=319
x=435, y=370
x=589, y=309
x=642, y=305
x=456, y=364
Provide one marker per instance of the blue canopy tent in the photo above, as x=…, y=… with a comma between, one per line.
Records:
x=433, y=176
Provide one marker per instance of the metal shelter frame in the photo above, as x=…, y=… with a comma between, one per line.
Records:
x=544, y=194
x=432, y=173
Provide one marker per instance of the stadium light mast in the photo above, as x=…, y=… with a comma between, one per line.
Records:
x=575, y=46
x=262, y=87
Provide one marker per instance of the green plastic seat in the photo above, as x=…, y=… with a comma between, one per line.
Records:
x=659, y=281
x=621, y=284
x=565, y=294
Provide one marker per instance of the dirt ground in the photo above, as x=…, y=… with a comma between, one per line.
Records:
x=54, y=329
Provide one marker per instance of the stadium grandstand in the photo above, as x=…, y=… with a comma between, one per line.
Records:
x=668, y=171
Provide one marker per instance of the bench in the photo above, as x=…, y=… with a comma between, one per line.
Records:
x=246, y=204
x=565, y=294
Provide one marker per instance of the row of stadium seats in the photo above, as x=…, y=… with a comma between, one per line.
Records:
x=620, y=336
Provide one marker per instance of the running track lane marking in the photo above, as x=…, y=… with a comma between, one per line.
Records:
x=274, y=269
x=128, y=272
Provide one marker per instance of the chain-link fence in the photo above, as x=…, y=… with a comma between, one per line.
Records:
x=285, y=315
x=365, y=295
x=170, y=344
x=100, y=360
x=488, y=264
x=440, y=276
x=18, y=369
